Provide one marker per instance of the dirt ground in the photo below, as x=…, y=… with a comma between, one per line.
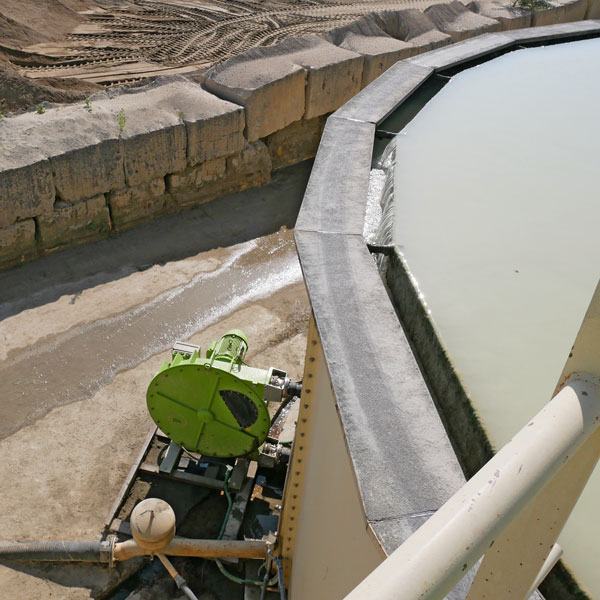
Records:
x=63, y=465
x=60, y=474
x=64, y=50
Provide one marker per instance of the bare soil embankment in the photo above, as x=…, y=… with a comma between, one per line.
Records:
x=64, y=50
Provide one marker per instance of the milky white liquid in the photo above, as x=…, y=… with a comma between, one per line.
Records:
x=497, y=212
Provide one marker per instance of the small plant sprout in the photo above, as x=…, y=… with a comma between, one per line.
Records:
x=180, y=115
x=1, y=115
x=122, y=120
x=41, y=108
x=88, y=104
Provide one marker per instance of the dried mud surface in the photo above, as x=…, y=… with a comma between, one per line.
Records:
x=62, y=50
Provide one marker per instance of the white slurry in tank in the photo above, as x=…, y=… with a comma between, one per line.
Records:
x=497, y=206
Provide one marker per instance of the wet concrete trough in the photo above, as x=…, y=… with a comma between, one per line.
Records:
x=87, y=339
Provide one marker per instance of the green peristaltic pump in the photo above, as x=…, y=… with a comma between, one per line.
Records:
x=215, y=405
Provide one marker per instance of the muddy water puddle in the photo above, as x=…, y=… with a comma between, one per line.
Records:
x=73, y=365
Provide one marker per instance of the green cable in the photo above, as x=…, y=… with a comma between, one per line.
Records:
x=223, y=570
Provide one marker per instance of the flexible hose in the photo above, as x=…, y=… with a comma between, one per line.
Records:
x=56, y=551
x=223, y=570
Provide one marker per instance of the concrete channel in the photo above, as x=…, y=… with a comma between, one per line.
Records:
x=83, y=333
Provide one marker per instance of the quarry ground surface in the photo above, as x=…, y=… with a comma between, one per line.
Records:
x=64, y=50
x=63, y=463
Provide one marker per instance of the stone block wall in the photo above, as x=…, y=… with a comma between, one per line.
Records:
x=79, y=172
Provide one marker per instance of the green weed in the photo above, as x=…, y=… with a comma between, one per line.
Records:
x=122, y=120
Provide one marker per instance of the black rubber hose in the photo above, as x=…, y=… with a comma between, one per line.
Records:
x=56, y=551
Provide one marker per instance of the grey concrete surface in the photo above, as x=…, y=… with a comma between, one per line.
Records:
x=555, y=32
x=456, y=54
x=402, y=458
x=385, y=94
x=334, y=200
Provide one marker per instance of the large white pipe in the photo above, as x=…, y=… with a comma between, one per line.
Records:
x=430, y=563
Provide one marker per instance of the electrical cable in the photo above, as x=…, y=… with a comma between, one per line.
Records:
x=275, y=559
x=223, y=570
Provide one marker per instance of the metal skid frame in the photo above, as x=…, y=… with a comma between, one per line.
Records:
x=174, y=466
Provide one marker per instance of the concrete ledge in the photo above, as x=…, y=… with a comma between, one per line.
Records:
x=385, y=94
x=456, y=54
x=392, y=428
x=555, y=33
x=334, y=200
x=124, y=143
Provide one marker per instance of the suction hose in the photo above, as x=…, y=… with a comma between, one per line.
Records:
x=58, y=551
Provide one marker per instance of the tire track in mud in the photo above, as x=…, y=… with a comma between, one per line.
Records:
x=188, y=33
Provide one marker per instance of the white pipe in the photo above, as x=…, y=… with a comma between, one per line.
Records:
x=430, y=563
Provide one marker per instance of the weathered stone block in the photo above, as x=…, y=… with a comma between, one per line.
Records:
x=249, y=168
x=132, y=205
x=154, y=154
x=412, y=25
x=334, y=74
x=379, y=50
x=194, y=177
x=81, y=146
x=25, y=191
x=297, y=142
x=88, y=171
x=458, y=22
x=77, y=222
x=503, y=11
x=216, y=136
x=214, y=126
x=560, y=11
x=17, y=243
x=593, y=10
x=266, y=83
